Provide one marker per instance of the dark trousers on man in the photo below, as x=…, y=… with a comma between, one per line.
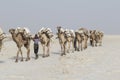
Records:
x=36, y=47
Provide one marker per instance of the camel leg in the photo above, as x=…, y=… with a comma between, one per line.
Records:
x=43, y=51
x=28, y=54
x=100, y=44
x=48, y=50
x=21, y=55
x=17, y=55
x=68, y=50
x=81, y=46
x=62, y=50
x=64, y=47
x=61, y=47
x=78, y=46
x=85, y=45
x=92, y=43
x=0, y=45
x=96, y=43
x=73, y=46
x=0, y=49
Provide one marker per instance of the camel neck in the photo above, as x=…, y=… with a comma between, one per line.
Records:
x=14, y=37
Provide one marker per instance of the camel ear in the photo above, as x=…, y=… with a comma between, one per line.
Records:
x=90, y=31
x=102, y=32
x=96, y=33
x=12, y=29
x=58, y=27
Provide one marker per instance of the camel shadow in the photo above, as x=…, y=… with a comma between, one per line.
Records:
x=40, y=54
x=14, y=58
x=2, y=61
x=56, y=53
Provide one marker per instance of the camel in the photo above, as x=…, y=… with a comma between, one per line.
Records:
x=45, y=35
x=101, y=34
x=78, y=41
x=93, y=38
x=2, y=37
x=20, y=41
x=70, y=35
x=81, y=39
x=96, y=38
x=62, y=40
x=86, y=36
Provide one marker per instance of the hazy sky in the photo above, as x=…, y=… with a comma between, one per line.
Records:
x=92, y=14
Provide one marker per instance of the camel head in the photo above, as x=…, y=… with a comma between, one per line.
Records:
x=12, y=31
x=2, y=37
x=59, y=28
x=101, y=33
x=80, y=33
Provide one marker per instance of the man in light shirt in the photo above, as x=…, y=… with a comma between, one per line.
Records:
x=36, y=45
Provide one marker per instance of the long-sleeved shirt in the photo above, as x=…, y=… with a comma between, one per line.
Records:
x=36, y=41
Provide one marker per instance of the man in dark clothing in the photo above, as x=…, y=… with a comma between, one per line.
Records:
x=36, y=45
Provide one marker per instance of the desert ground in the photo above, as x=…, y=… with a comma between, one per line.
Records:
x=94, y=63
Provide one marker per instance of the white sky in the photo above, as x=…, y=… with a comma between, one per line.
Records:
x=93, y=14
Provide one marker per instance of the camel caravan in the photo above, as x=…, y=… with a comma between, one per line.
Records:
x=22, y=37
x=2, y=37
x=78, y=39
x=70, y=40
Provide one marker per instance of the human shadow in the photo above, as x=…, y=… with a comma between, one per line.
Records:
x=39, y=55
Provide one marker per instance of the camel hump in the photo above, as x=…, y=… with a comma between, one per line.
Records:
x=26, y=30
x=46, y=31
x=1, y=31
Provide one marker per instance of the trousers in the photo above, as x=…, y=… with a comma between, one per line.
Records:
x=36, y=47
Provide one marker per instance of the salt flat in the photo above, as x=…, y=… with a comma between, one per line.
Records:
x=94, y=63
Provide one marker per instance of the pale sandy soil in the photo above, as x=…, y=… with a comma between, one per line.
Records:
x=98, y=63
